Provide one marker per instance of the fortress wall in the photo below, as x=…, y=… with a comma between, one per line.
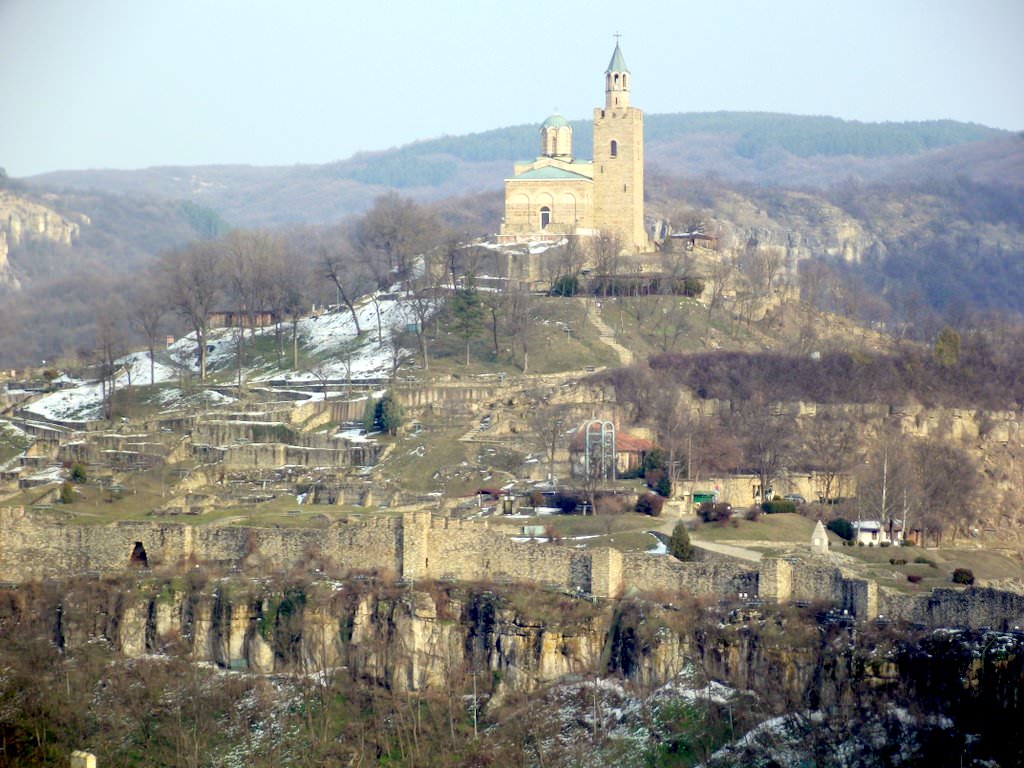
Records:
x=606, y=572
x=719, y=577
x=971, y=607
x=418, y=545
x=30, y=548
x=469, y=551
x=809, y=581
x=34, y=548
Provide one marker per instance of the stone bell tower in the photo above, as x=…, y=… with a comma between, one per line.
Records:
x=619, y=160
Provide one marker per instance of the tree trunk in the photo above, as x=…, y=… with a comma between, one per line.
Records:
x=421, y=337
x=494, y=328
x=380, y=332
x=201, y=343
x=352, y=309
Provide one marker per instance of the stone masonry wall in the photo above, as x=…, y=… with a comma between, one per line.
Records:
x=419, y=545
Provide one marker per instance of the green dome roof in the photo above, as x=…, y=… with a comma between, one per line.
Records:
x=555, y=121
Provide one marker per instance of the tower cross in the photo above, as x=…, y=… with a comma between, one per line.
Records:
x=617, y=36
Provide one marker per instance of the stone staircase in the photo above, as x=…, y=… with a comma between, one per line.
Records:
x=607, y=335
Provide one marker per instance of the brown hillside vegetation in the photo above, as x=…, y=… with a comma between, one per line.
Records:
x=983, y=378
x=980, y=380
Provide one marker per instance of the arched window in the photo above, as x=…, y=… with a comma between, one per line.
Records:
x=615, y=148
x=545, y=217
x=623, y=82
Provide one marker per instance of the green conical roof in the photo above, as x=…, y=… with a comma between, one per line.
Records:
x=618, y=63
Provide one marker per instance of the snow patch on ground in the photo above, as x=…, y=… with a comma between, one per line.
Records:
x=83, y=400
x=330, y=337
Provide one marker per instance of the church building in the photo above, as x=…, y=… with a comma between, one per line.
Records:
x=558, y=195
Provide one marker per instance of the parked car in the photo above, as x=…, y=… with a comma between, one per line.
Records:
x=796, y=498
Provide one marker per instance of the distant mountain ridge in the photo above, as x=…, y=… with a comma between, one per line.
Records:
x=760, y=148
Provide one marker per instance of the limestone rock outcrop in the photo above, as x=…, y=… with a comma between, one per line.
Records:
x=23, y=220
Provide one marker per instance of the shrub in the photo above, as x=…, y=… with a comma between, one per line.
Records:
x=663, y=486
x=693, y=287
x=842, y=528
x=752, y=514
x=679, y=545
x=776, y=506
x=78, y=474
x=565, y=502
x=897, y=561
x=650, y=504
x=963, y=576
x=884, y=544
x=67, y=493
x=908, y=543
x=913, y=578
x=922, y=560
x=537, y=499
x=714, y=511
x=566, y=285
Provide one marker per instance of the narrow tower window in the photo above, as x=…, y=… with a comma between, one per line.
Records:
x=615, y=148
x=545, y=217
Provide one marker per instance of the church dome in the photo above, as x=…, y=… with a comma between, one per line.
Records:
x=556, y=137
x=555, y=121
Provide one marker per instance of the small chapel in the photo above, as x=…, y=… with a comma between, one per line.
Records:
x=558, y=195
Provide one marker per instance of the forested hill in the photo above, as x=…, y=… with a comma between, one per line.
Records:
x=760, y=148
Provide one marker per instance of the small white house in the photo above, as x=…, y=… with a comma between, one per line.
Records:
x=873, y=532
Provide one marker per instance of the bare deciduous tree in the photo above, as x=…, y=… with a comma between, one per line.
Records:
x=191, y=279
x=146, y=315
x=399, y=229
x=831, y=448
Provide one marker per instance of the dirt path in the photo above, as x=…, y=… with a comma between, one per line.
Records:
x=723, y=549
x=606, y=334
x=728, y=549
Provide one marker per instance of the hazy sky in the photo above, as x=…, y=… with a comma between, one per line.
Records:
x=135, y=83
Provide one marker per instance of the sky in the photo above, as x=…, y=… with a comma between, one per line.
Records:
x=139, y=83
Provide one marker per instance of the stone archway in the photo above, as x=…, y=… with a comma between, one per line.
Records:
x=139, y=558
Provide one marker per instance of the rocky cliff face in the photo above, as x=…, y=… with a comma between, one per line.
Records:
x=23, y=220
x=435, y=638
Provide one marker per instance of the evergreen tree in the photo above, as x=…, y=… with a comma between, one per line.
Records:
x=370, y=414
x=390, y=414
x=679, y=545
x=467, y=312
